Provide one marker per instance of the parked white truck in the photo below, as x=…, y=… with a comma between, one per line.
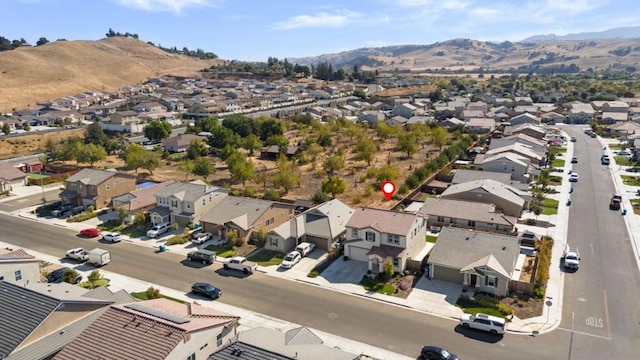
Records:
x=571, y=258
x=241, y=264
x=78, y=254
x=99, y=257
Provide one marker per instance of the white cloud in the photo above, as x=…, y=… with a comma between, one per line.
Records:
x=336, y=19
x=176, y=6
x=435, y=5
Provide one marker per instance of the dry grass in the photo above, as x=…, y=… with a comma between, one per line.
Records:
x=407, y=90
x=33, y=144
x=32, y=74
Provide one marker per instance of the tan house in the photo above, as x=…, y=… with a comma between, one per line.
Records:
x=96, y=187
x=507, y=199
x=180, y=143
x=141, y=199
x=442, y=213
x=124, y=117
x=153, y=329
x=374, y=236
x=19, y=267
x=246, y=216
x=10, y=176
x=184, y=203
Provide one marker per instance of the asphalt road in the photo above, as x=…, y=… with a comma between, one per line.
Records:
x=604, y=292
x=21, y=203
x=386, y=326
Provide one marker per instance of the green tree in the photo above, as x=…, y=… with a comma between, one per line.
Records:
x=42, y=41
x=227, y=152
x=196, y=149
x=387, y=268
x=407, y=143
x=91, y=154
x=333, y=163
x=334, y=185
x=202, y=167
x=95, y=135
x=152, y=161
x=383, y=130
x=186, y=166
x=241, y=168
x=252, y=143
x=365, y=150
x=152, y=293
x=438, y=136
x=122, y=215
x=286, y=177
x=387, y=173
x=157, y=130
x=134, y=157
x=69, y=276
x=93, y=278
x=279, y=140
x=26, y=127
x=6, y=128
x=320, y=197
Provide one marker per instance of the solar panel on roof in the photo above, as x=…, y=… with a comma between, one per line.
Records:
x=157, y=313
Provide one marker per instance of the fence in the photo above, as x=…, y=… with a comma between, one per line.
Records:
x=50, y=179
x=521, y=287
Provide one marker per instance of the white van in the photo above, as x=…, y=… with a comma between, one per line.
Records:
x=305, y=248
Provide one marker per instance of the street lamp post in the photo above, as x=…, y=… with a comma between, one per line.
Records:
x=44, y=198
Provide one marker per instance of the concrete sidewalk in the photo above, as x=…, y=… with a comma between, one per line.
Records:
x=248, y=319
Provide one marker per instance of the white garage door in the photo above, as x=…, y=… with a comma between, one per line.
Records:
x=360, y=254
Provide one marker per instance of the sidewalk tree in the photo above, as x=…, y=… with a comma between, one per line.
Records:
x=93, y=278
x=91, y=154
x=157, y=130
x=202, y=167
x=334, y=186
x=366, y=150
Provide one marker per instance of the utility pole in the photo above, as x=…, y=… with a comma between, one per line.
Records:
x=44, y=198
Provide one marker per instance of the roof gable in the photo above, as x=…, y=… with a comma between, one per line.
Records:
x=383, y=221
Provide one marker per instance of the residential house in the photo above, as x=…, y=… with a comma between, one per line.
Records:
x=515, y=165
x=478, y=105
x=31, y=312
x=269, y=344
x=246, y=216
x=397, y=121
x=375, y=235
x=452, y=123
x=149, y=107
x=153, y=329
x=553, y=117
x=481, y=125
x=478, y=260
x=184, y=203
x=124, y=117
x=180, y=143
x=10, y=176
x=523, y=100
x=465, y=175
x=139, y=200
x=525, y=118
x=322, y=225
x=527, y=129
x=525, y=109
x=371, y=116
x=442, y=212
x=581, y=113
x=624, y=128
x=471, y=114
x=18, y=266
x=536, y=144
x=404, y=110
x=272, y=152
x=612, y=117
x=534, y=154
x=93, y=187
x=615, y=106
x=507, y=199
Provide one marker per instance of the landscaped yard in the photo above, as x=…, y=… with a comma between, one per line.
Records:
x=131, y=230
x=36, y=176
x=143, y=296
x=87, y=284
x=624, y=161
x=549, y=207
x=483, y=304
x=177, y=240
x=374, y=285
x=636, y=206
x=555, y=180
x=630, y=180
x=557, y=163
x=426, y=196
x=267, y=258
x=432, y=239
x=225, y=251
x=615, y=146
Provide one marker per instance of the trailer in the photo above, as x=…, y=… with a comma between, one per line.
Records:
x=99, y=257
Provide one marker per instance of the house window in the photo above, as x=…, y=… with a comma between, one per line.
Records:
x=471, y=223
x=354, y=232
x=188, y=205
x=192, y=357
x=18, y=275
x=452, y=221
x=115, y=184
x=269, y=222
x=491, y=281
x=204, y=201
x=440, y=218
x=369, y=236
x=219, y=340
x=274, y=241
x=393, y=239
x=174, y=203
x=106, y=186
x=396, y=261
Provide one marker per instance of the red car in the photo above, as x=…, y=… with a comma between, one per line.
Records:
x=90, y=232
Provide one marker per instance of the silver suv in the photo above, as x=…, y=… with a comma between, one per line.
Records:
x=484, y=322
x=158, y=230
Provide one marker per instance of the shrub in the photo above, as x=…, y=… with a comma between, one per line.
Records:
x=538, y=292
x=91, y=209
x=404, y=285
x=403, y=189
x=272, y=193
x=176, y=240
x=235, y=192
x=153, y=293
x=69, y=276
x=174, y=226
x=249, y=192
x=362, y=178
x=369, y=190
x=504, y=309
x=357, y=198
x=320, y=197
x=372, y=173
x=412, y=181
x=82, y=217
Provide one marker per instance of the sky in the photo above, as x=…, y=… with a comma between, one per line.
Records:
x=253, y=30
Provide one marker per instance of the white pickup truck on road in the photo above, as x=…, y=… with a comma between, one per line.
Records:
x=241, y=264
x=571, y=258
x=78, y=254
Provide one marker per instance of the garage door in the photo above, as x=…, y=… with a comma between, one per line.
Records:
x=321, y=243
x=360, y=254
x=448, y=274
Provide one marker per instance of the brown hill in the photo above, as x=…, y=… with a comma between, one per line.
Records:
x=32, y=74
x=469, y=54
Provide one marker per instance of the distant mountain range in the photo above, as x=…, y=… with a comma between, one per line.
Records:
x=630, y=32
x=614, y=48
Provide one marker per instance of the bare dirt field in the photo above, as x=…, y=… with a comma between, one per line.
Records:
x=32, y=144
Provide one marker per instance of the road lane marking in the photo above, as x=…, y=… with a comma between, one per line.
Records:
x=593, y=252
x=585, y=334
x=606, y=313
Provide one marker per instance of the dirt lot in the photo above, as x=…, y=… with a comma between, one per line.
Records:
x=32, y=144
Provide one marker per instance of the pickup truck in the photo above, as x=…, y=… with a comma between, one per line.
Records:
x=78, y=254
x=241, y=264
x=571, y=258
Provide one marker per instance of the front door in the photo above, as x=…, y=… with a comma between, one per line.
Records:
x=375, y=264
x=474, y=278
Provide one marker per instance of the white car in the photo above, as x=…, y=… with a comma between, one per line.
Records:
x=113, y=237
x=624, y=153
x=574, y=177
x=491, y=324
x=200, y=237
x=291, y=259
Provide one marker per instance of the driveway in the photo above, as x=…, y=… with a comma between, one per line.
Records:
x=345, y=272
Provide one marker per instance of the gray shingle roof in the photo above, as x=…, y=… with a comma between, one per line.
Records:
x=506, y=192
x=457, y=248
x=328, y=220
x=467, y=210
x=187, y=191
x=21, y=311
x=384, y=221
x=249, y=352
x=242, y=211
x=91, y=176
